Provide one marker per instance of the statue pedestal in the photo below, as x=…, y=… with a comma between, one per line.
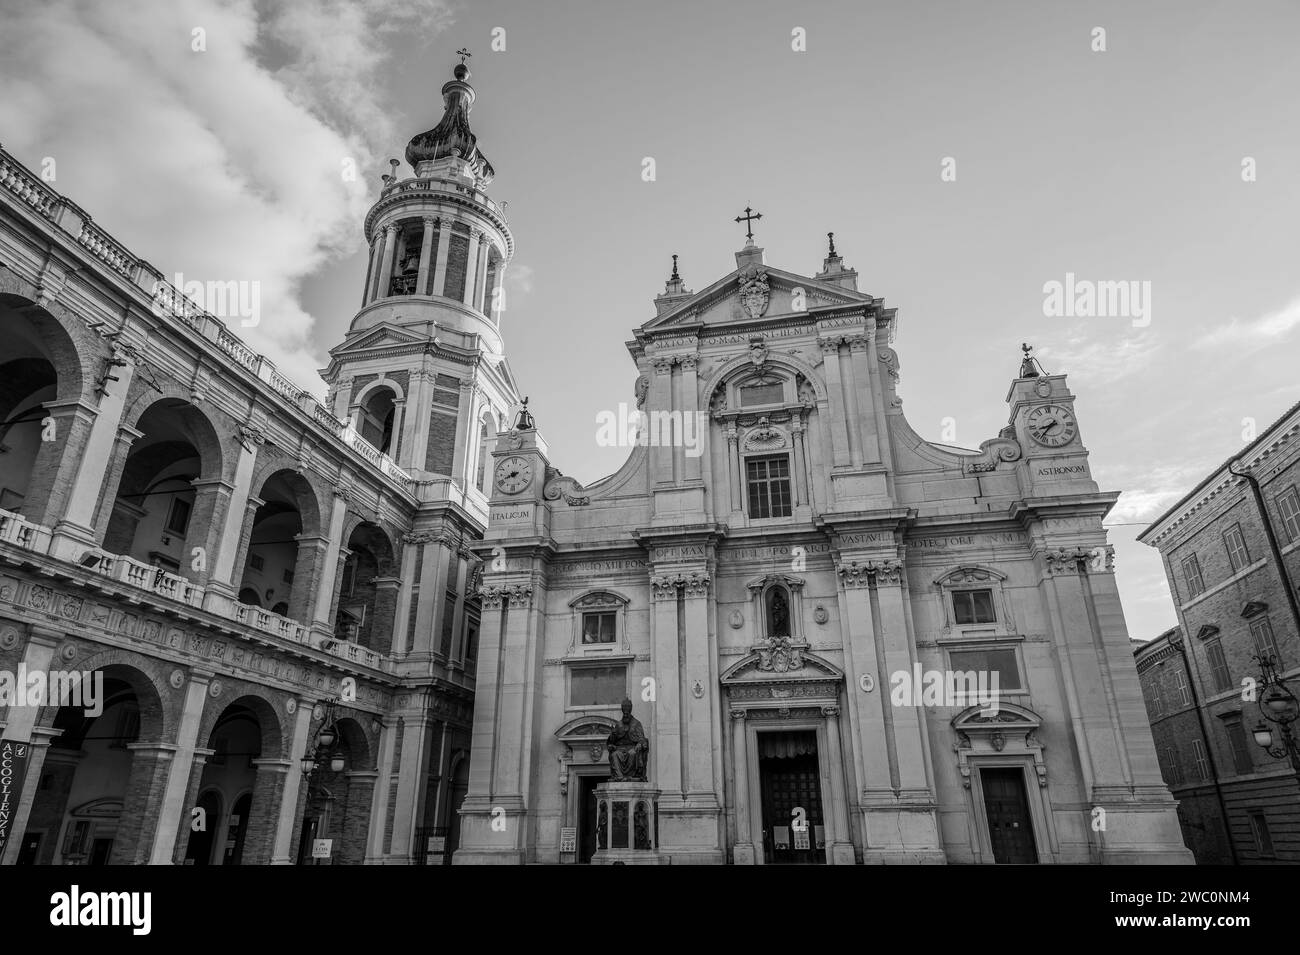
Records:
x=627, y=824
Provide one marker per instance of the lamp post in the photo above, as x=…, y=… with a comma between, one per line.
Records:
x=1279, y=706
x=320, y=751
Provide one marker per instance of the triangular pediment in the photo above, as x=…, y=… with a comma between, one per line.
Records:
x=791, y=663
x=723, y=302
x=380, y=336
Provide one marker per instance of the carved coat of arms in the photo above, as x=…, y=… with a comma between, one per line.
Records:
x=778, y=656
x=754, y=293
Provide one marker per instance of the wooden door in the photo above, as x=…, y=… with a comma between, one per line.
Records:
x=1006, y=807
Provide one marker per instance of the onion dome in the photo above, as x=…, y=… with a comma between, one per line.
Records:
x=452, y=136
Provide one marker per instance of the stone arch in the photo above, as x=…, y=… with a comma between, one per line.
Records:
x=375, y=413
x=46, y=377
x=167, y=501
x=120, y=756
x=338, y=803
x=365, y=597
x=284, y=542
x=264, y=703
x=788, y=363
x=159, y=706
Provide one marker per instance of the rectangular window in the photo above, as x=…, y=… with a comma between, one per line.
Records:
x=256, y=562
x=471, y=640
x=597, y=686
x=1173, y=768
x=990, y=660
x=767, y=394
x=1238, y=556
x=287, y=576
x=768, y=480
x=179, y=518
x=1263, y=838
x=973, y=606
x=1219, y=674
x=1262, y=631
x=1237, y=744
x=598, y=628
x=1184, y=691
x=1202, y=764
x=1155, y=700
x=1192, y=574
x=1288, y=505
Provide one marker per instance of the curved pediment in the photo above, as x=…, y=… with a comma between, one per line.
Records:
x=584, y=728
x=1008, y=716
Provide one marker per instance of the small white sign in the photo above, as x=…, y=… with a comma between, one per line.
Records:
x=437, y=843
x=569, y=839
x=320, y=848
x=801, y=840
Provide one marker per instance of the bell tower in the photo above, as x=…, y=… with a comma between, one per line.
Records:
x=421, y=374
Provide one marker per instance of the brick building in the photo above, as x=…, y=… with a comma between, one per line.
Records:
x=1232, y=577
x=257, y=576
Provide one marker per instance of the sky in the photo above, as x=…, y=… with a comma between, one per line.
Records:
x=964, y=154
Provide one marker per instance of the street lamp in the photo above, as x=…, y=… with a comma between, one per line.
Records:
x=322, y=746
x=1279, y=706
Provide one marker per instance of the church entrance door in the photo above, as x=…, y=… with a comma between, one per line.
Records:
x=1006, y=807
x=793, y=829
x=587, y=816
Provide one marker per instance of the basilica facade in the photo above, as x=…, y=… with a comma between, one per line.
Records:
x=385, y=627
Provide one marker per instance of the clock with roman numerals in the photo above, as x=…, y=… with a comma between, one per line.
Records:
x=1051, y=426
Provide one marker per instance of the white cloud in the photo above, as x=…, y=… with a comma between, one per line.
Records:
x=1095, y=356
x=1150, y=491
x=1256, y=333
x=225, y=164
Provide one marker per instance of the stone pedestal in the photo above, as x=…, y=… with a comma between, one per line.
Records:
x=627, y=830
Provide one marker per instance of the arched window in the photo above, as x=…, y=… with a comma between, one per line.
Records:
x=778, y=612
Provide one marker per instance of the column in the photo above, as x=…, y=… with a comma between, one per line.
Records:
x=744, y=853
x=660, y=399
x=396, y=445
x=287, y=809
x=868, y=712
x=701, y=740
x=184, y=825
x=150, y=766
x=173, y=801
x=356, y=816
x=57, y=460
x=20, y=721
x=839, y=838
x=384, y=280
x=212, y=501
x=733, y=468
x=835, y=391
x=433, y=587
x=402, y=613
x=270, y=781
x=440, y=260
x=458, y=618
x=226, y=546
x=88, y=484
x=379, y=797
x=865, y=424
x=411, y=780
x=462, y=466
x=481, y=292
x=376, y=250
x=325, y=593
x=471, y=266
x=801, y=495
x=666, y=665
x=699, y=425
x=426, y=257
x=421, y=404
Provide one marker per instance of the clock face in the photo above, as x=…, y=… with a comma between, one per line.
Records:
x=514, y=474
x=1051, y=425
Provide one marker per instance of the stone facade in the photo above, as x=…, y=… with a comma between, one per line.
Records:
x=252, y=572
x=1229, y=573
x=780, y=550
